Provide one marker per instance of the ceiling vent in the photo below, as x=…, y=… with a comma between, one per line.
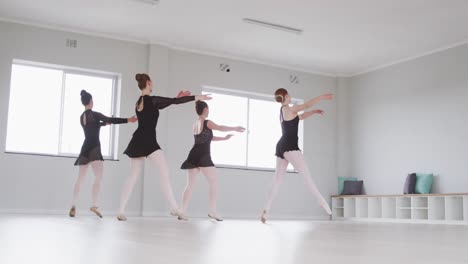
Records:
x=71, y=43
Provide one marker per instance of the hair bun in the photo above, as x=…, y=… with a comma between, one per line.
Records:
x=138, y=77
x=85, y=97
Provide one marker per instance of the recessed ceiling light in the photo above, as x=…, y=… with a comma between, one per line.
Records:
x=273, y=25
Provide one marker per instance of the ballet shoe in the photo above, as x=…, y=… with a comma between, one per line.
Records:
x=215, y=217
x=263, y=217
x=121, y=217
x=72, y=212
x=182, y=217
x=94, y=209
x=177, y=213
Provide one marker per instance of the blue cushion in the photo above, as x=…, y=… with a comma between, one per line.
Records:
x=424, y=183
x=341, y=183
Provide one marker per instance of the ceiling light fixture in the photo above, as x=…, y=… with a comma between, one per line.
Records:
x=150, y=2
x=273, y=26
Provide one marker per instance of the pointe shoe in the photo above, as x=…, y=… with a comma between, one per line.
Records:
x=176, y=212
x=215, y=217
x=263, y=218
x=94, y=209
x=121, y=217
x=182, y=217
x=179, y=214
x=72, y=212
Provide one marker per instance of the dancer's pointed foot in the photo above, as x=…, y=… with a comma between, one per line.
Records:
x=182, y=217
x=215, y=217
x=121, y=217
x=95, y=210
x=263, y=218
x=178, y=213
x=72, y=212
x=325, y=207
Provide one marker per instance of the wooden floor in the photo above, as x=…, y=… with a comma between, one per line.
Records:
x=57, y=239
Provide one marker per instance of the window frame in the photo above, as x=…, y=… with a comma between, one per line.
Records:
x=115, y=107
x=255, y=96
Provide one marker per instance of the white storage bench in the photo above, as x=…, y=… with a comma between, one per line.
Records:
x=418, y=208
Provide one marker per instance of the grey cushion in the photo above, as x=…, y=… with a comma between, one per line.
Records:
x=352, y=187
x=410, y=184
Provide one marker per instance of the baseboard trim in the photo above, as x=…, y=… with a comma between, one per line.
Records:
x=402, y=221
x=246, y=216
x=86, y=212
x=80, y=211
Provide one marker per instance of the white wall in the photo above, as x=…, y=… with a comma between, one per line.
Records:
x=410, y=117
x=43, y=184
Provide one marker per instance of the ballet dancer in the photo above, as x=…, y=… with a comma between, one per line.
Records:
x=287, y=149
x=90, y=154
x=199, y=158
x=144, y=144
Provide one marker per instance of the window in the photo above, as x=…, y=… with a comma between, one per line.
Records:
x=259, y=114
x=45, y=106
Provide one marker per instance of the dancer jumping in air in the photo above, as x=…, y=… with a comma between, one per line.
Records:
x=199, y=158
x=90, y=154
x=144, y=144
x=287, y=149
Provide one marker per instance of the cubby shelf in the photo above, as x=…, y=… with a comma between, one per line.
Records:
x=420, y=208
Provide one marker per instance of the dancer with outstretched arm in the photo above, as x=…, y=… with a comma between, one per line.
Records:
x=199, y=159
x=144, y=144
x=287, y=149
x=90, y=154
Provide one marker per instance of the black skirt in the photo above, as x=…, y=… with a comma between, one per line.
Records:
x=284, y=146
x=88, y=155
x=198, y=157
x=141, y=146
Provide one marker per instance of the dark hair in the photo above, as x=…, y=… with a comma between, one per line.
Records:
x=200, y=106
x=85, y=97
x=280, y=95
x=142, y=79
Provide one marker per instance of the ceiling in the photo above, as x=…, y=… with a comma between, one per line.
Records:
x=341, y=37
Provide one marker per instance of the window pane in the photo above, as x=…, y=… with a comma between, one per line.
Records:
x=230, y=111
x=264, y=133
x=72, y=132
x=34, y=110
x=264, y=129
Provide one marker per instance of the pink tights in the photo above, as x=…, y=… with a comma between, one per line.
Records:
x=211, y=175
x=158, y=160
x=98, y=169
x=297, y=160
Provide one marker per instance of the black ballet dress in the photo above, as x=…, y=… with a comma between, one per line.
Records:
x=289, y=138
x=143, y=141
x=200, y=155
x=91, y=149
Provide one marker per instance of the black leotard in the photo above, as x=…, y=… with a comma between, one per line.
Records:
x=289, y=138
x=200, y=155
x=143, y=141
x=91, y=149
